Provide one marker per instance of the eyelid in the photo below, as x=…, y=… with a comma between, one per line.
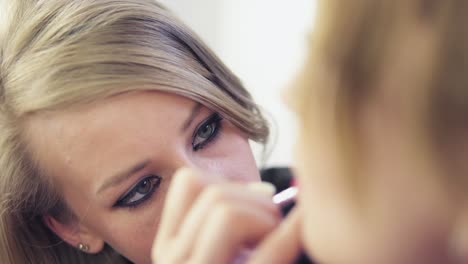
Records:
x=131, y=189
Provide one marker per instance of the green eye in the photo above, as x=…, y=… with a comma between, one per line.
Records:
x=207, y=132
x=144, y=186
x=141, y=192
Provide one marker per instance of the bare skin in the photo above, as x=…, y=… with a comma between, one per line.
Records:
x=114, y=161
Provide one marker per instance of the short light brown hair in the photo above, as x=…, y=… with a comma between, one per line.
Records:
x=357, y=49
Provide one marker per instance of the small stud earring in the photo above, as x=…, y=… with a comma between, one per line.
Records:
x=83, y=247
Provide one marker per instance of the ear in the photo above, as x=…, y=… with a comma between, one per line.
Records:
x=74, y=233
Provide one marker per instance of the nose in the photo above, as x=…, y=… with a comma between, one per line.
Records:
x=181, y=161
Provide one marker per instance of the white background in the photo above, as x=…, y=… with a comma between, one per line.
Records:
x=263, y=42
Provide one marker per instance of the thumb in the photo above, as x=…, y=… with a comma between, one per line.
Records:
x=283, y=245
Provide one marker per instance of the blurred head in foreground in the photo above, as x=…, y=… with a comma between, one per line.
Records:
x=383, y=154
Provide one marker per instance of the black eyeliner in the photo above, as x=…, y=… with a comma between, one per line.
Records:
x=120, y=202
x=217, y=120
x=142, y=200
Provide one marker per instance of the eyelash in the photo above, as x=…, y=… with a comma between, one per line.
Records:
x=214, y=122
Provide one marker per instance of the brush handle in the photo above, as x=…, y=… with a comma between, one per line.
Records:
x=303, y=258
x=282, y=178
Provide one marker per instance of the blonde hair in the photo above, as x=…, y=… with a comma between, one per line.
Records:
x=357, y=51
x=57, y=54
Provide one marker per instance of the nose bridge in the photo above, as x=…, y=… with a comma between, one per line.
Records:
x=183, y=159
x=185, y=163
x=179, y=159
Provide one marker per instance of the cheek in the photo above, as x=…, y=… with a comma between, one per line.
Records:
x=132, y=232
x=304, y=170
x=133, y=235
x=231, y=157
x=243, y=167
x=328, y=222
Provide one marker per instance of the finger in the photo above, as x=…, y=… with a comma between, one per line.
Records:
x=221, y=195
x=184, y=188
x=282, y=245
x=265, y=188
x=229, y=229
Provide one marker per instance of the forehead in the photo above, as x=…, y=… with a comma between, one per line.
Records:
x=95, y=137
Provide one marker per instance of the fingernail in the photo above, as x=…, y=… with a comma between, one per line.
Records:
x=265, y=188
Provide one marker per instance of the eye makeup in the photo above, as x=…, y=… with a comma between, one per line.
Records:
x=204, y=134
x=140, y=193
x=207, y=132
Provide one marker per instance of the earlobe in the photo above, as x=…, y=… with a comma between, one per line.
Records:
x=75, y=234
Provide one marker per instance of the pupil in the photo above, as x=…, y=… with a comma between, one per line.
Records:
x=144, y=187
x=206, y=131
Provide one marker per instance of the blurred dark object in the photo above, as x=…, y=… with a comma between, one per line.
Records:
x=280, y=177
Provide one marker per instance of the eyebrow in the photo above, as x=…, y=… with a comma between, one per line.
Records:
x=122, y=176
x=195, y=111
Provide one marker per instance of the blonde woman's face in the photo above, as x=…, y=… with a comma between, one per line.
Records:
x=114, y=160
